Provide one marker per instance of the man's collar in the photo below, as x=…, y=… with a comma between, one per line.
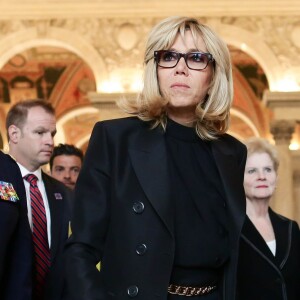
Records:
x=24, y=172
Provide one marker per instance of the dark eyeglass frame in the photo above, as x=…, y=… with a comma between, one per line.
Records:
x=158, y=54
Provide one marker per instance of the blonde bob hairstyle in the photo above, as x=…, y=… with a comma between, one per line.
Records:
x=260, y=145
x=212, y=114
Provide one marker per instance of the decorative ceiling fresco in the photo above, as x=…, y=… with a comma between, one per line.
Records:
x=49, y=73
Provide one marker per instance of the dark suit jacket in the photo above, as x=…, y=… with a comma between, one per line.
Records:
x=123, y=213
x=15, y=238
x=59, y=197
x=262, y=276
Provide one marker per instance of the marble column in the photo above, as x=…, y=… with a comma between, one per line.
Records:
x=282, y=201
x=297, y=195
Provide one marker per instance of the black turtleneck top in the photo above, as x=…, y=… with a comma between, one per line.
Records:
x=201, y=218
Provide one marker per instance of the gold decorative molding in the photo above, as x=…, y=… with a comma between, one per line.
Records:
x=131, y=8
x=274, y=30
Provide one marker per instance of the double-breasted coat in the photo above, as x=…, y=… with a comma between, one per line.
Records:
x=123, y=213
x=261, y=275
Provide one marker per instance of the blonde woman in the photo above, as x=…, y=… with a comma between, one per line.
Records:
x=160, y=199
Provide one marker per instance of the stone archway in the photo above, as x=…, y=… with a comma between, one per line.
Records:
x=19, y=41
x=255, y=46
x=246, y=120
x=103, y=109
x=60, y=136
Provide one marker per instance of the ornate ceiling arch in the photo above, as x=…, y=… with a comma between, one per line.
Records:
x=256, y=47
x=16, y=42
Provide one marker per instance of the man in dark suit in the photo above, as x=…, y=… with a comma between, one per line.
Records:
x=31, y=126
x=15, y=240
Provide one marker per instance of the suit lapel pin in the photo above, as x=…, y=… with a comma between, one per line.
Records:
x=58, y=196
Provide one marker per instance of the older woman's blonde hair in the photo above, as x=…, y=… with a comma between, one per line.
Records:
x=260, y=145
x=212, y=115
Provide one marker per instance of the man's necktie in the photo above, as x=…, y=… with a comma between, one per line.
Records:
x=40, y=237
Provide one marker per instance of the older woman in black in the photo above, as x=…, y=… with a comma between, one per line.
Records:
x=160, y=199
x=269, y=261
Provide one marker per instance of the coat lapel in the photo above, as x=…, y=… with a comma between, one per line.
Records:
x=56, y=209
x=282, y=230
x=256, y=240
x=232, y=180
x=283, y=234
x=151, y=166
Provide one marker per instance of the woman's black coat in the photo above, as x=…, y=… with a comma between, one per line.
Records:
x=122, y=213
x=262, y=276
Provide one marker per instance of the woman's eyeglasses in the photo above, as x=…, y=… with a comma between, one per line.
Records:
x=193, y=60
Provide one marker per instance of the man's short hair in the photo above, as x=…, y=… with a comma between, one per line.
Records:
x=65, y=149
x=17, y=115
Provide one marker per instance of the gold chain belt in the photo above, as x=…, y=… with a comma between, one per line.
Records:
x=190, y=290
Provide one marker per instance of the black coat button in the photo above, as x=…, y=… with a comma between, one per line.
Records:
x=141, y=249
x=138, y=207
x=132, y=291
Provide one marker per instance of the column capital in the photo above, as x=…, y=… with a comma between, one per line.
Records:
x=282, y=131
x=284, y=105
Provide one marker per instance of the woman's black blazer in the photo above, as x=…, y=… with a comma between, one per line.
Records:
x=123, y=213
x=262, y=276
